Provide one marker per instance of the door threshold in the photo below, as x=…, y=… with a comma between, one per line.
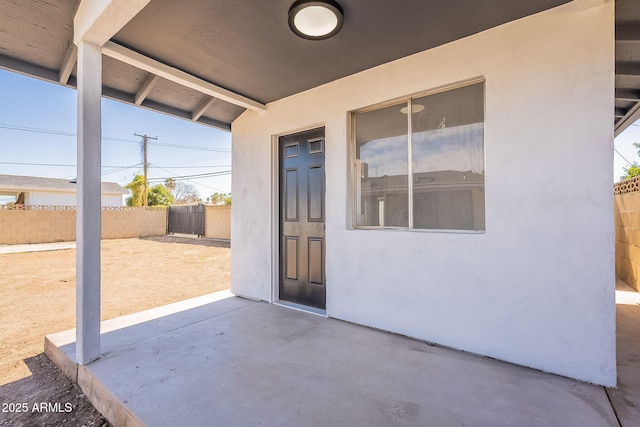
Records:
x=300, y=307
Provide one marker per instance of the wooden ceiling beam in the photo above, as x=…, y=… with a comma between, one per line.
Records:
x=135, y=59
x=145, y=89
x=68, y=62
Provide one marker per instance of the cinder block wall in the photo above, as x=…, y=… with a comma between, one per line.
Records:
x=40, y=224
x=217, y=222
x=37, y=226
x=121, y=223
x=627, y=220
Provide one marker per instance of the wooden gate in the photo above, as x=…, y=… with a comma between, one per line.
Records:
x=186, y=220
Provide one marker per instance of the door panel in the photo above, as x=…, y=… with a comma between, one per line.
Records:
x=291, y=195
x=302, y=216
x=316, y=193
x=316, y=261
x=291, y=259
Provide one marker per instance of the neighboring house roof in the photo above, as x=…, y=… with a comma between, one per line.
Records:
x=34, y=183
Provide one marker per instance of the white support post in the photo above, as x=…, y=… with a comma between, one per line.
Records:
x=94, y=23
x=89, y=203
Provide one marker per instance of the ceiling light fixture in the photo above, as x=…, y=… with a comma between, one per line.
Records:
x=415, y=108
x=315, y=20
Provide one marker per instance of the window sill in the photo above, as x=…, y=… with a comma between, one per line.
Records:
x=418, y=230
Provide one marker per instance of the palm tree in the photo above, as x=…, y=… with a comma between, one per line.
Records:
x=170, y=183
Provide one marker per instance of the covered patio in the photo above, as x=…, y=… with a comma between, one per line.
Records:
x=225, y=360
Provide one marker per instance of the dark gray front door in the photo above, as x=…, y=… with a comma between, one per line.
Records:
x=302, y=243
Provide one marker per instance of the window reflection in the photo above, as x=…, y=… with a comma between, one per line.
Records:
x=447, y=162
x=382, y=153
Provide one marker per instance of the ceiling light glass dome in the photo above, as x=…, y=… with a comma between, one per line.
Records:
x=315, y=20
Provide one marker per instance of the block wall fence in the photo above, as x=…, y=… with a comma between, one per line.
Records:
x=217, y=222
x=46, y=224
x=627, y=220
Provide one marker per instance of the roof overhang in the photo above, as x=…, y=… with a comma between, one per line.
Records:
x=627, y=79
x=210, y=60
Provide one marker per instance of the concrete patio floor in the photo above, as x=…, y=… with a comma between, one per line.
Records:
x=227, y=361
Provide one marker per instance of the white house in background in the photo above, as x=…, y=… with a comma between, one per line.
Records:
x=440, y=170
x=34, y=190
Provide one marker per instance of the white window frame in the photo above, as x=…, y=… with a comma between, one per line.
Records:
x=354, y=178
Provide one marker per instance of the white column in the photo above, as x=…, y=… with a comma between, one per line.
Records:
x=94, y=23
x=88, y=210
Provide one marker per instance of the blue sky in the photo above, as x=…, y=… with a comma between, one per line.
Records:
x=38, y=127
x=626, y=152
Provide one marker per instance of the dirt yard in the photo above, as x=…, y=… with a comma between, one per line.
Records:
x=37, y=297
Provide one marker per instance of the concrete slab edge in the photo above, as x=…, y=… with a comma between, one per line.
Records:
x=104, y=401
x=68, y=367
x=99, y=396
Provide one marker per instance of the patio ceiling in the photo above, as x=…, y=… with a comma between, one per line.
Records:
x=209, y=60
x=627, y=78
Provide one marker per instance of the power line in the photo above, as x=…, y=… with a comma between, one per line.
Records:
x=114, y=171
x=191, y=147
x=204, y=175
x=168, y=171
x=211, y=188
x=202, y=160
x=56, y=132
x=189, y=167
x=151, y=166
x=36, y=130
x=118, y=139
x=38, y=164
x=191, y=159
x=624, y=158
x=106, y=138
x=197, y=176
x=175, y=177
x=120, y=169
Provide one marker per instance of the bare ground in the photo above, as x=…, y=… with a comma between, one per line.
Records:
x=37, y=297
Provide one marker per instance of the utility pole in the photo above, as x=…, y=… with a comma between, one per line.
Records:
x=145, y=191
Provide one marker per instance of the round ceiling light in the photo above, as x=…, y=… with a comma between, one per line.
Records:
x=315, y=20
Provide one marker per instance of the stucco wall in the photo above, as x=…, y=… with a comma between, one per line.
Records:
x=627, y=219
x=58, y=224
x=537, y=288
x=217, y=222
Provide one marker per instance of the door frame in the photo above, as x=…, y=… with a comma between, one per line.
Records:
x=274, y=218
